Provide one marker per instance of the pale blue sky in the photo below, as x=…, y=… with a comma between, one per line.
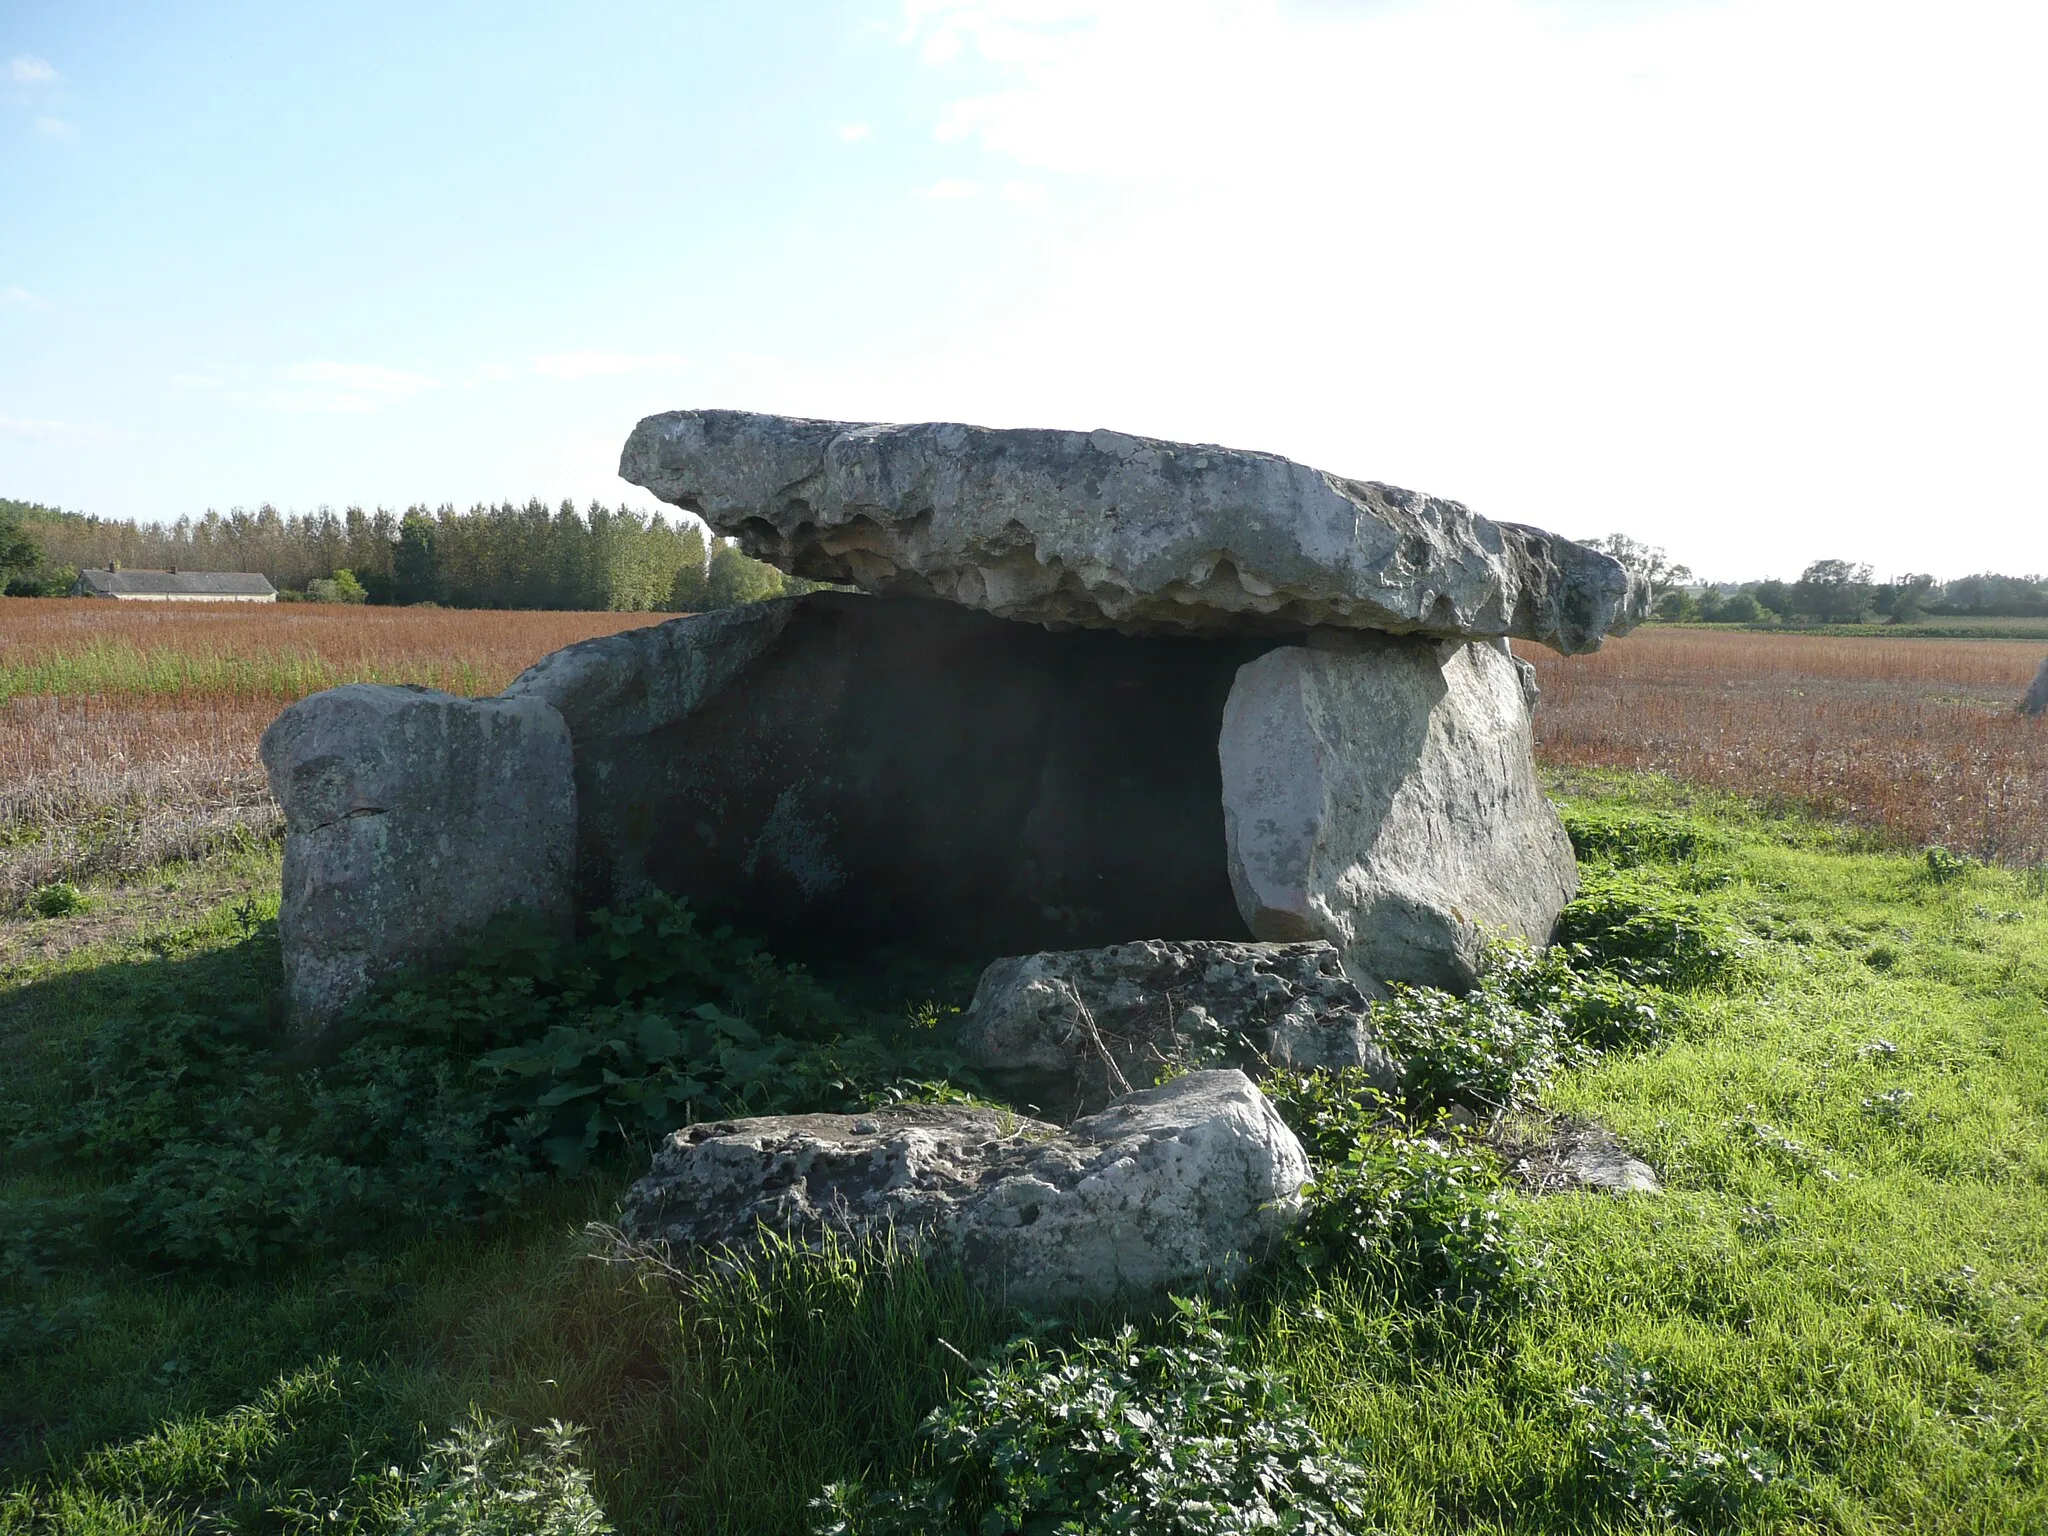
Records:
x=1758, y=280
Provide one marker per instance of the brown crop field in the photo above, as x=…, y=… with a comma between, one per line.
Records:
x=128, y=730
x=1918, y=739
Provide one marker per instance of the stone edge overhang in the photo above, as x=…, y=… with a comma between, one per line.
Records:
x=768, y=481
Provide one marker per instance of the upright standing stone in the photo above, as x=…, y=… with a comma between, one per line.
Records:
x=411, y=819
x=1381, y=793
x=2036, y=701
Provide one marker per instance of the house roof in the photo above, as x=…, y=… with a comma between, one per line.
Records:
x=176, y=583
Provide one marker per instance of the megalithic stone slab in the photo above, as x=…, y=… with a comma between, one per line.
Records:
x=1184, y=1184
x=412, y=818
x=1070, y=1029
x=1381, y=794
x=1105, y=530
x=2035, y=703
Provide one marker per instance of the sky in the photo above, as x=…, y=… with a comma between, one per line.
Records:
x=1758, y=281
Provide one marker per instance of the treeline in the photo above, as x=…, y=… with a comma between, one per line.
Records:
x=1827, y=592
x=503, y=556
x=1841, y=592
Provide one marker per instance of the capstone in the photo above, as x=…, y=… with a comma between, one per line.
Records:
x=1102, y=529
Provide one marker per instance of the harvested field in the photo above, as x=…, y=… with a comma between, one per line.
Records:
x=128, y=731
x=1918, y=739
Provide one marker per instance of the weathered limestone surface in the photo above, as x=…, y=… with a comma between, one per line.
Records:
x=834, y=771
x=1070, y=1030
x=642, y=680
x=412, y=818
x=1571, y=1156
x=1099, y=529
x=1178, y=1185
x=1381, y=793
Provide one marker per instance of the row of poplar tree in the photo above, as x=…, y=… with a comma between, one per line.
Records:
x=504, y=556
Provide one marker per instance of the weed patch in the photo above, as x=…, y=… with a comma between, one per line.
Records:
x=456, y=1094
x=1118, y=1435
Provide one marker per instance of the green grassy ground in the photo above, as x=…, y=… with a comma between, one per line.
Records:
x=1846, y=1270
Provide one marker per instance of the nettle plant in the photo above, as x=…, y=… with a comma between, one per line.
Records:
x=1669, y=1474
x=1117, y=1435
x=1405, y=1196
x=457, y=1091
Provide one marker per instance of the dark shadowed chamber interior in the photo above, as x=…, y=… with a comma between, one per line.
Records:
x=922, y=777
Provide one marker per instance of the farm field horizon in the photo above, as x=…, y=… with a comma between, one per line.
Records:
x=128, y=732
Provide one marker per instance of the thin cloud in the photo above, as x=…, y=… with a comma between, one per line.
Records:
x=26, y=429
x=27, y=69
x=348, y=389
x=595, y=362
x=14, y=293
x=55, y=128
x=194, y=381
x=854, y=133
x=950, y=189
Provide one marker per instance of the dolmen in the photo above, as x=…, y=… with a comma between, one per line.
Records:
x=1211, y=744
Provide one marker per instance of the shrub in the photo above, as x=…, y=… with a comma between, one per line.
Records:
x=1629, y=836
x=1650, y=932
x=1117, y=1435
x=458, y=1091
x=1419, y=1217
x=1944, y=867
x=1531, y=1014
x=482, y=1481
x=1668, y=1475
x=341, y=587
x=61, y=899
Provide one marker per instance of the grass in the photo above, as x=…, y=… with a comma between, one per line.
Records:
x=1846, y=1268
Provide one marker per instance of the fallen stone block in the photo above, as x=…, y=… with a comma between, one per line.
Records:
x=1181, y=1185
x=1070, y=1030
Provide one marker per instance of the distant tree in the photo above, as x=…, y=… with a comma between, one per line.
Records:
x=1834, y=592
x=689, y=588
x=1736, y=608
x=20, y=554
x=1989, y=595
x=1774, y=595
x=1677, y=606
x=1651, y=563
x=733, y=579
x=1904, y=600
x=416, y=563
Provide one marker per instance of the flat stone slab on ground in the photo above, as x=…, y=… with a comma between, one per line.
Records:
x=1103, y=530
x=1184, y=1184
